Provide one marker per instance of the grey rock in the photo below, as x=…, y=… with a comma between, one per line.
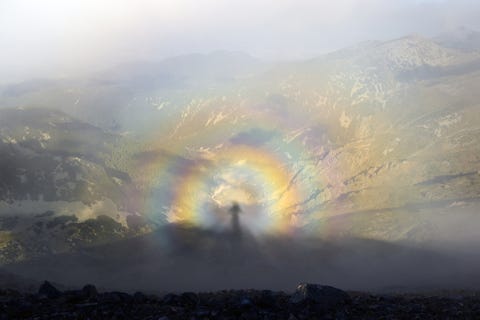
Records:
x=90, y=291
x=189, y=299
x=139, y=297
x=324, y=296
x=49, y=291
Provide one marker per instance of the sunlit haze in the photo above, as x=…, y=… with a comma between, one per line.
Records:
x=62, y=38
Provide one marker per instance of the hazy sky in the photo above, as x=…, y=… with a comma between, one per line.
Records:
x=62, y=37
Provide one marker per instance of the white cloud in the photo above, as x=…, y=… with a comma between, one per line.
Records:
x=55, y=37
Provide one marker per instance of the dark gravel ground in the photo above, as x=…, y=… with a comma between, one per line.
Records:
x=307, y=302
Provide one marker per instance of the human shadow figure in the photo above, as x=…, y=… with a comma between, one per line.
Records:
x=235, y=211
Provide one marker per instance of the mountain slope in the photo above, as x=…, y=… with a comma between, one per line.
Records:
x=57, y=190
x=383, y=129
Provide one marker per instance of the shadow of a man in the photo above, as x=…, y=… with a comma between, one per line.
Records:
x=236, y=228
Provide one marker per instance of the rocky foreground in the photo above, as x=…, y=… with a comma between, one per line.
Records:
x=309, y=301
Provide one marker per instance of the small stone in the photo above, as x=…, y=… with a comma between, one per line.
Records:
x=171, y=299
x=189, y=299
x=245, y=302
x=139, y=297
x=266, y=299
x=116, y=297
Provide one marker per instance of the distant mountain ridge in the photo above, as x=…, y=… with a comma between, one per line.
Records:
x=460, y=38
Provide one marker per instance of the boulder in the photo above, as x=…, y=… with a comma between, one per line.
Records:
x=267, y=299
x=322, y=297
x=139, y=297
x=115, y=297
x=171, y=299
x=189, y=299
x=90, y=291
x=49, y=291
